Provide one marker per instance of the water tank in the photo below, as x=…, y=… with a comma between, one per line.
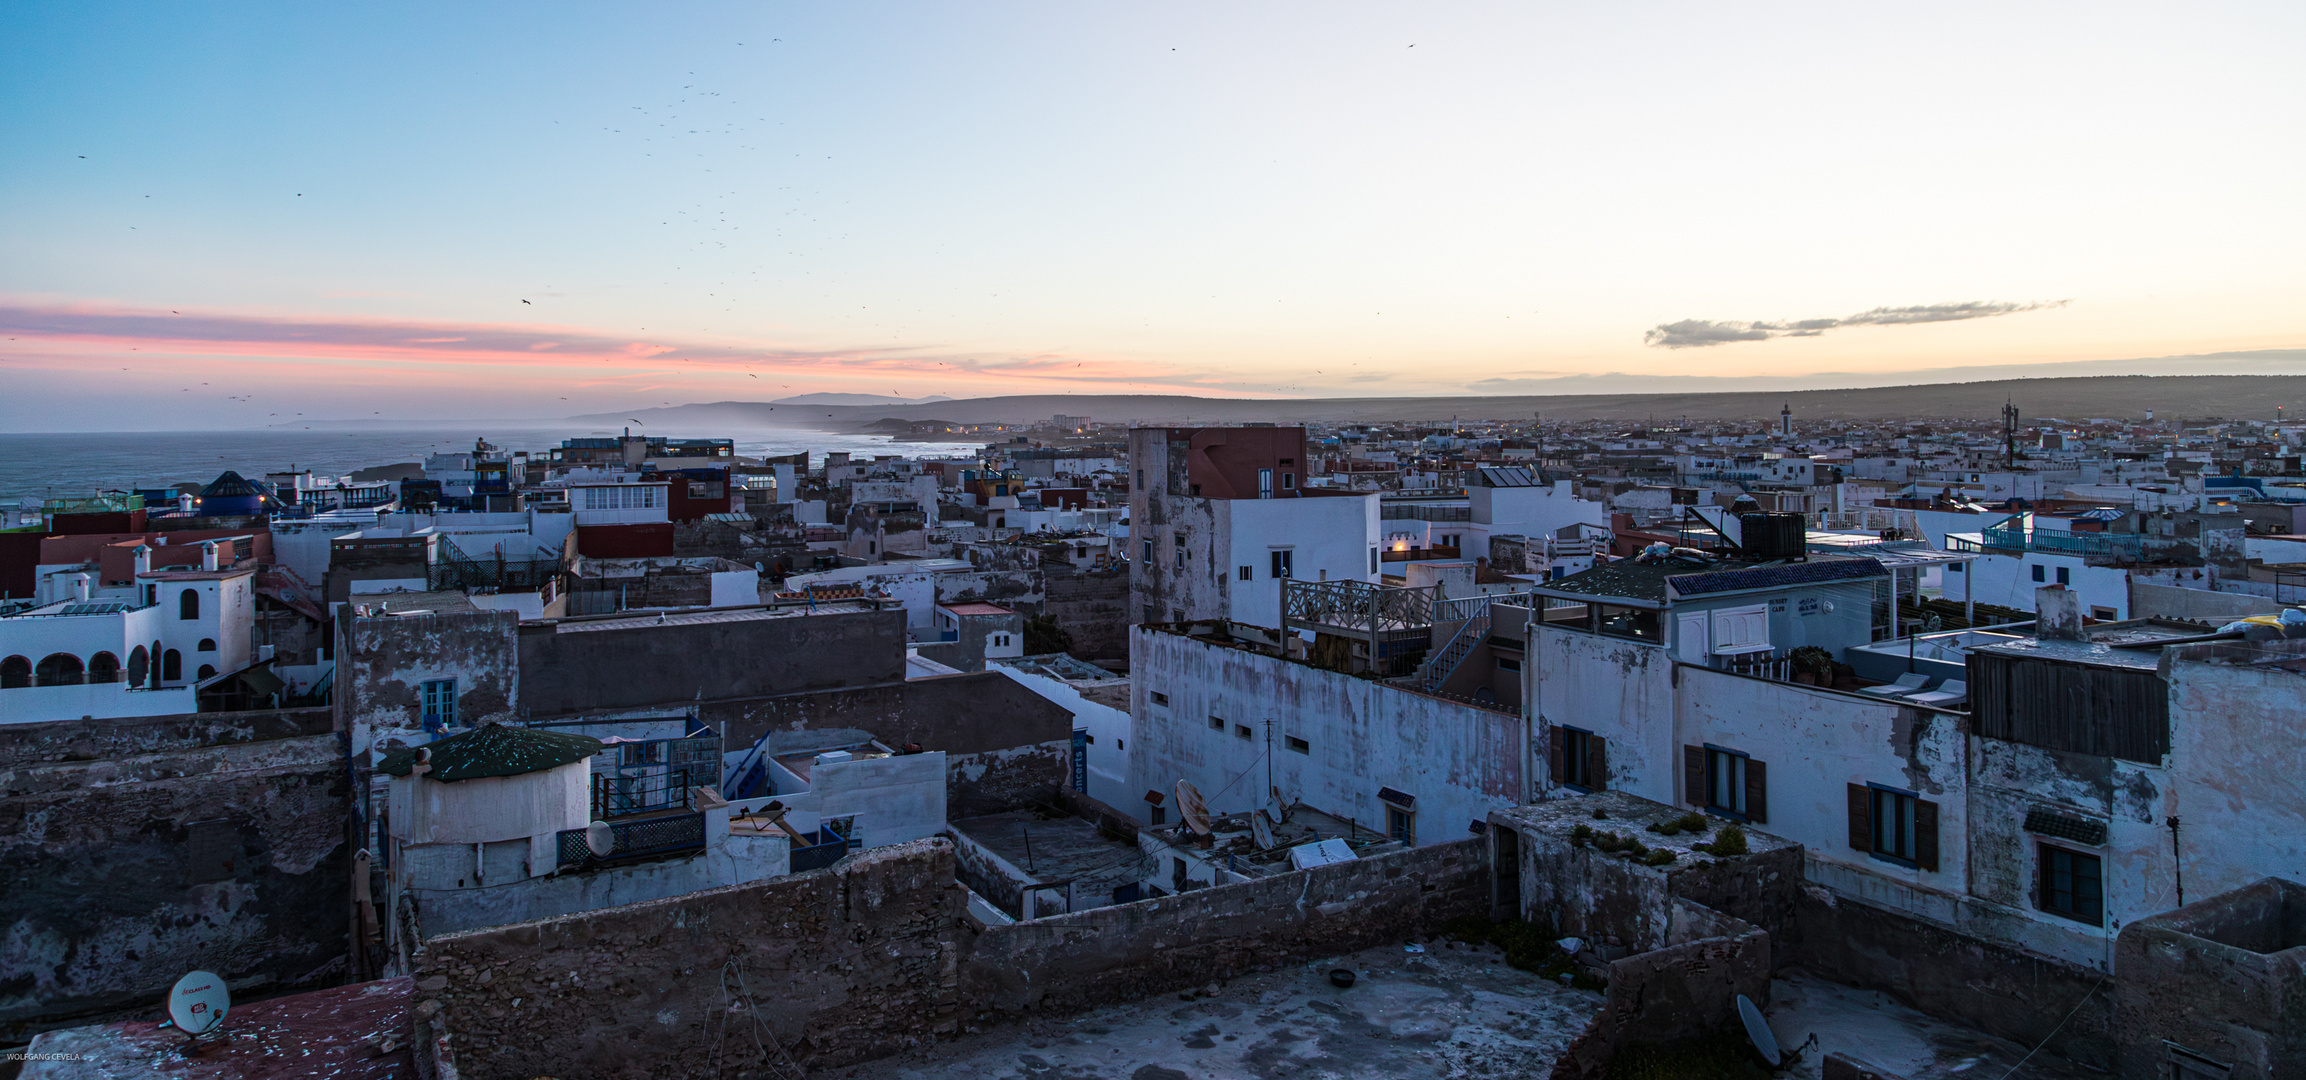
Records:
x=1774, y=536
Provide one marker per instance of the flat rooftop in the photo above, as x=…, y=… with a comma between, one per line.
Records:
x=1057, y=848
x=638, y=620
x=1441, y=1012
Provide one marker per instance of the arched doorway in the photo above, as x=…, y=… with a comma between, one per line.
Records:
x=15, y=671
x=172, y=666
x=103, y=668
x=206, y=673
x=58, y=669
x=139, y=665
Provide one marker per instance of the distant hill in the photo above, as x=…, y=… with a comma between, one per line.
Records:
x=2112, y=396
x=856, y=399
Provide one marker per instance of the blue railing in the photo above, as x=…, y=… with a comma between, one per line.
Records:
x=2052, y=542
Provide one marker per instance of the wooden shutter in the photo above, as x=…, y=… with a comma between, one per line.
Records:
x=1596, y=763
x=1557, y=760
x=1757, y=792
x=1861, y=817
x=1693, y=775
x=1926, y=834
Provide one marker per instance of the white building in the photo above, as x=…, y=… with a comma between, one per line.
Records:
x=145, y=656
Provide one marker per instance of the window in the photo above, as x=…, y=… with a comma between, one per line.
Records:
x=206, y=645
x=2065, y=575
x=1284, y=563
x=1957, y=568
x=172, y=666
x=1264, y=483
x=206, y=672
x=1401, y=825
x=1300, y=745
x=1726, y=782
x=2038, y=574
x=1156, y=816
x=1508, y=664
x=1140, y=478
x=2102, y=614
x=188, y=604
x=1241, y=731
x=2072, y=885
x=622, y=497
x=1180, y=551
x=1373, y=561
x=439, y=704
x=1148, y=552
x=1895, y=825
x=1741, y=629
x=1248, y=573
x=1216, y=723
x=1580, y=759
x=1288, y=481
x=1157, y=697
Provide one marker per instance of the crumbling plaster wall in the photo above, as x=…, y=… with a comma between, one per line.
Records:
x=384, y=662
x=1092, y=607
x=854, y=961
x=2130, y=799
x=1686, y=987
x=2224, y=978
x=2235, y=784
x=1615, y=688
x=1459, y=761
x=112, y=890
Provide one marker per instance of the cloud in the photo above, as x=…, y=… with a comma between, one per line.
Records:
x=1702, y=333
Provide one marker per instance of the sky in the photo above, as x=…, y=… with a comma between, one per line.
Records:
x=233, y=215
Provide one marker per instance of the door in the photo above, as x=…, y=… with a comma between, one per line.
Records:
x=1507, y=895
x=1691, y=640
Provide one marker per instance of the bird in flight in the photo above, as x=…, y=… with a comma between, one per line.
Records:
x=525, y=302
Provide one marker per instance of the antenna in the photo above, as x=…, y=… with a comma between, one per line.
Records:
x=1192, y=809
x=198, y=1002
x=1757, y=1029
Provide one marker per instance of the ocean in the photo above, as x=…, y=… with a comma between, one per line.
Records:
x=43, y=466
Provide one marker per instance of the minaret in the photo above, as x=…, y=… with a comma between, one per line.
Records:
x=1786, y=420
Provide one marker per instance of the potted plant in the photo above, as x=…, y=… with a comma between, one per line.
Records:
x=1812, y=666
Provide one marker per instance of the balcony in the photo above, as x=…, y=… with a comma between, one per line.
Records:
x=2120, y=547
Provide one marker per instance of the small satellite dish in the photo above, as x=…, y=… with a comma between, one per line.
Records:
x=600, y=839
x=1758, y=1029
x=198, y=1003
x=1261, y=830
x=1192, y=809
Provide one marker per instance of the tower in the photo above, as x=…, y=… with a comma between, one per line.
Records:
x=1786, y=420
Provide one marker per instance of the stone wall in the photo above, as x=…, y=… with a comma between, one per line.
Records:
x=382, y=664
x=1005, y=746
x=2000, y=991
x=851, y=962
x=1093, y=607
x=1114, y=954
x=1685, y=989
x=133, y=851
x=2225, y=978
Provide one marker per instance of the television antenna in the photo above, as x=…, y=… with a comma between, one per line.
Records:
x=197, y=1004
x=1191, y=808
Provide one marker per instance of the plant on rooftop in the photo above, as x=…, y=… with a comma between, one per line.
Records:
x=1731, y=841
x=1687, y=823
x=1812, y=660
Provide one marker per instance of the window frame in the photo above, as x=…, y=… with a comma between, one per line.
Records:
x=2045, y=883
x=1905, y=807
x=1721, y=763
x=1298, y=745
x=1401, y=825
x=1156, y=697
x=437, y=701
x=1283, y=563
x=1576, y=759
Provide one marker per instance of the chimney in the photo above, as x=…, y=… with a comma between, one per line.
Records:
x=2057, y=614
x=208, y=555
x=143, y=560
x=183, y=502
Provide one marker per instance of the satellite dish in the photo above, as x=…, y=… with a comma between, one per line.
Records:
x=600, y=839
x=1261, y=830
x=1758, y=1030
x=1191, y=808
x=198, y=1003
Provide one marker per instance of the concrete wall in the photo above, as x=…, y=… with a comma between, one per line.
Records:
x=728, y=860
x=1328, y=539
x=2150, y=601
x=2224, y=978
x=113, y=890
x=2235, y=785
x=1614, y=688
x=1107, y=729
x=565, y=670
x=1459, y=761
x=837, y=965
x=1093, y=608
x=383, y=663
x=1123, y=953
x=1686, y=988
x=1005, y=747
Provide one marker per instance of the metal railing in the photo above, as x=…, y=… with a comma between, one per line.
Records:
x=1428, y=513
x=1472, y=615
x=635, y=839
x=2052, y=542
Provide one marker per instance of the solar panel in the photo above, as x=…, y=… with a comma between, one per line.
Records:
x=104, y=608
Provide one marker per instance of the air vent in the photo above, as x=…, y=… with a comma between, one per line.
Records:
x=2080, y=830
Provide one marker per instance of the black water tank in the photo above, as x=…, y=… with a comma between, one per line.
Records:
x=1774, y=536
